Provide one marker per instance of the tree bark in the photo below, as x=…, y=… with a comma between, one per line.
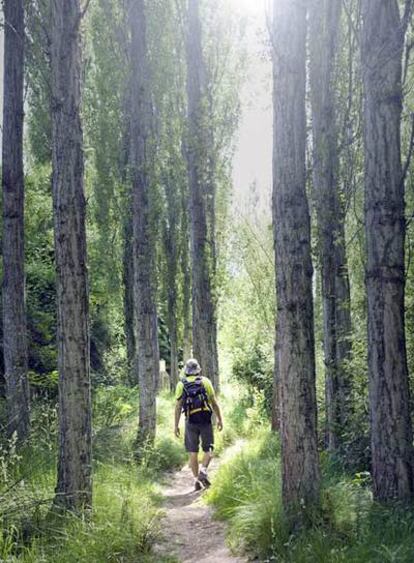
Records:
x=294, y=334
x=143, y=245
x=172, y=329
x=325, y=18
x=171, y=255
x=391, y=430
x=128, y=295
x=202, y=258
x=186, y=273
x=14, y=314
x=74, y=486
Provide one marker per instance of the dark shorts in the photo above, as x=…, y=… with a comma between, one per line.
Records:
x=195, y=432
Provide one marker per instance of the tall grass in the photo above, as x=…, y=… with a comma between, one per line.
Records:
x=243, y=415
x=124, y=522
x=349, y=528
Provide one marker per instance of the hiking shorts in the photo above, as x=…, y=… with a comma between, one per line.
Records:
x=194, y=432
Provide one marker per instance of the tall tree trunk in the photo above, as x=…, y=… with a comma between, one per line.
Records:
x=294, y=333
x=186, y=273
x=128, y=262
x=173, y=186
x=172, y=314
x=171, y=256
x=143, y=246
x=391, y=431
x=325, y=18
x=128, y=283
x=74, y=486
x=14, y=315
x=204, y=314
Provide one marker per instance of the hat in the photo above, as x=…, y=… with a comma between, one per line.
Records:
x=192, y=367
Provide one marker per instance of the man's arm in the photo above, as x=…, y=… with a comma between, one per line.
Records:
x=217, y=412
x=177, y=416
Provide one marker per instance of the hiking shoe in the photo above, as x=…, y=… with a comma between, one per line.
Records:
x=198, y=485
x=202, y=476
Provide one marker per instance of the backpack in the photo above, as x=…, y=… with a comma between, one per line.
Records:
x=195, y=401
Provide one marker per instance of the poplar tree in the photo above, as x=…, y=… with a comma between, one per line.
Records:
x=74, y=485
x=383, y=36
x=204, y=320
x=14, y=315
x=295, y=354
x=325, y=18
x=143, y=247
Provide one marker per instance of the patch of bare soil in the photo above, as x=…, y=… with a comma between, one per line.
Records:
x=189, y=531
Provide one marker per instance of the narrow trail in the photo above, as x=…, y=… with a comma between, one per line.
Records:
x=189, y=531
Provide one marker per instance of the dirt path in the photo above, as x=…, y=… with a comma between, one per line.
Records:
x=189, y=531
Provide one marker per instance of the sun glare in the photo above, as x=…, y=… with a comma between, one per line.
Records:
x=249, y=6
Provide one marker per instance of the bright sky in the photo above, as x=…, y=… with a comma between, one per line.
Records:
x=252, y=164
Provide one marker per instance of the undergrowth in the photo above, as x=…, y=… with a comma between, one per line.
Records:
x=350, y=527
x=124, y=522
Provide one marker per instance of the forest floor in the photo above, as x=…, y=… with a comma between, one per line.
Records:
x=189, y=531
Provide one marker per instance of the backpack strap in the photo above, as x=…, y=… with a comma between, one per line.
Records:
x=185, y=381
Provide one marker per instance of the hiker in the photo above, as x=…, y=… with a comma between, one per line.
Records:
x=196, y=398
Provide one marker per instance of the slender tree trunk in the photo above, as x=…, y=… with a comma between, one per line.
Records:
x=171, y=254
x=325, y=18
x=391, y=431
x=185, y=268
x=128, y=283
x=127, y=266
x=172, y=329
x=275, y=421
x=294, y=333
x=143, y=246
x=204, y=314
x=74, y=486
x=14, y=315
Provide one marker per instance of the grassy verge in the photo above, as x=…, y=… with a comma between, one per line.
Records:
x=350, y=527
x=124, y=523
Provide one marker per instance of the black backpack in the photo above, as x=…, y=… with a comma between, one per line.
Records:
x=195, y=401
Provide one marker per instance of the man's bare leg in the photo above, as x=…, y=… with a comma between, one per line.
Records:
x=193, y=463
x=202, y=476
x=207, y=457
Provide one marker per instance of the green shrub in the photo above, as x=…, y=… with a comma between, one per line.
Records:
x=253, y=367
x=164, y=455
x=246, y=491
x=348, y=527
x=113, y=405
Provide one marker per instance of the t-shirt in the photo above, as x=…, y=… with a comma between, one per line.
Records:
x=206, y=382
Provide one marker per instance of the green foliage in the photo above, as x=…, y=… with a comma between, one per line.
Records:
x=113, y=405
x=254, y=368
x=247, y=312
x=40, y=279
x=125, y=519
x=246, y=492
x=165, y=454
x=38, y=81
x=243, y=414
x=357, y=447
x=248, y=309
x=349, y=526
x=122, y=527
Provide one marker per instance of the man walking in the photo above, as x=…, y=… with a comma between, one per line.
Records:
x=195, y=397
